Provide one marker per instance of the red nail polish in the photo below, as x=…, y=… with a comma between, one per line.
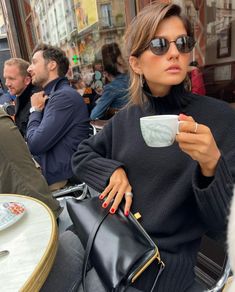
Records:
x=104, y=205
x=126, y=213
x=112, y=211
x=182, y=116
x=101, y=197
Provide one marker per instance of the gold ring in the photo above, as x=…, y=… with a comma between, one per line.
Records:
x=128, y=194
x=196, y=126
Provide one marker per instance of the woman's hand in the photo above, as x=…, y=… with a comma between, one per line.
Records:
x=197, y=141
x=117, y=188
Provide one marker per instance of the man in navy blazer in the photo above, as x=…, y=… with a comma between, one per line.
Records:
x=59, y=118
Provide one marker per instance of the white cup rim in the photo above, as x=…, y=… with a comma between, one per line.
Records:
x=159, y=117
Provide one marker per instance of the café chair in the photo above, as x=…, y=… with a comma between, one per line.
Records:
x=213, y=269
x=74, y=190
x=219, y=285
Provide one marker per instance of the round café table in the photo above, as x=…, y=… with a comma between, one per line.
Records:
x=32, y=245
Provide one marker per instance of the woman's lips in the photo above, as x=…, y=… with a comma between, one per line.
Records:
x=173, y=69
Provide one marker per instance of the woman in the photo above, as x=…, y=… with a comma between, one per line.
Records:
x=182, y=190
x=114, y=96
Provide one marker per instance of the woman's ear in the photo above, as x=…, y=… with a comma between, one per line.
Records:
x=135, y=66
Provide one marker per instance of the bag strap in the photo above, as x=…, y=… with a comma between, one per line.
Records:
x=89, y=247
x=162, y=266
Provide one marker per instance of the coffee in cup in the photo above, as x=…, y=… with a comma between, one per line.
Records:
x=159, y=130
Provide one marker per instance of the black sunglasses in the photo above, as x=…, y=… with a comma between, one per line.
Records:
x=159, y=46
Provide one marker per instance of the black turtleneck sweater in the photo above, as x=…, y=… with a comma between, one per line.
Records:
x=178, y=205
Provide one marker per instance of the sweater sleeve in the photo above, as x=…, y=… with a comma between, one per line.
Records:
x=92, y=161
x=214, y=199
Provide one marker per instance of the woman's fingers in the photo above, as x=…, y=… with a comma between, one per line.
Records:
x=129, y=198
x=117, y=200
x=183, y=117
x=115, y=191
x=189, y=127
x=106, y=191
x=198, y=142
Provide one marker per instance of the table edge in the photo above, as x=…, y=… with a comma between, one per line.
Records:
x=42, y=269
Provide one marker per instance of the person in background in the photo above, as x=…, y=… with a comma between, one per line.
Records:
x=59, y=118
x=87, y=92
x=7, y=98
x=115, y=93
x=18, y=82
x=18, y=173
x=98, y=77
x=7, y=102
x=181, y=191
x=196, y=79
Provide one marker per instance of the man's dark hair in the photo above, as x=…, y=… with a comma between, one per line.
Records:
x=56, y=54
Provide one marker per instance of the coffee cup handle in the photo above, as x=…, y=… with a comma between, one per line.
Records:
x=178, y=126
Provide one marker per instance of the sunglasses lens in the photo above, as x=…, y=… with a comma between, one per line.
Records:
x=159, y=46
x=185, y=44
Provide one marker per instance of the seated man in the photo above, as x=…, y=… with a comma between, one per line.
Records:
x=59, y=118
x=18, y=172
x=18, y=82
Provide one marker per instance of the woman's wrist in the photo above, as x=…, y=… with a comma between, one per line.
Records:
x=209, y=168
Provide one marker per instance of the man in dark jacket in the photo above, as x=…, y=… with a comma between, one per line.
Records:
x=59, y=118
x=18, y=82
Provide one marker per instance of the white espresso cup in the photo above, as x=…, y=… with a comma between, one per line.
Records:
x=160, y=130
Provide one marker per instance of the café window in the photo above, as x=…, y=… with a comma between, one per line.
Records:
x=79, y=27
x=82, y=27
x=106, y=19
x=98, y=23
x=214, y=29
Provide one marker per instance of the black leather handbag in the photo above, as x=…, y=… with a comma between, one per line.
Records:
x=117, y=245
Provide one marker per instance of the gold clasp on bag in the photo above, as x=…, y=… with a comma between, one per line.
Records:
x=155, y=256
x=137, y=215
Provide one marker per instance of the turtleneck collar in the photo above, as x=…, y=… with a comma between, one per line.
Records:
x=173, y=103
x=52, y=84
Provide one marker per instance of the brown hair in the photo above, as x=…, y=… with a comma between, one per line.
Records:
x=113, y=62
x=20, y=63
x=51, y=53
x=141, y=31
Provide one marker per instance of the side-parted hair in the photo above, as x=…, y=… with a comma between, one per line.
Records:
x=20, y=63
x=141, y=31
x=51, y=53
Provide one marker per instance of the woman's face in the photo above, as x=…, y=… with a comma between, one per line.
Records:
x=161, y=72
